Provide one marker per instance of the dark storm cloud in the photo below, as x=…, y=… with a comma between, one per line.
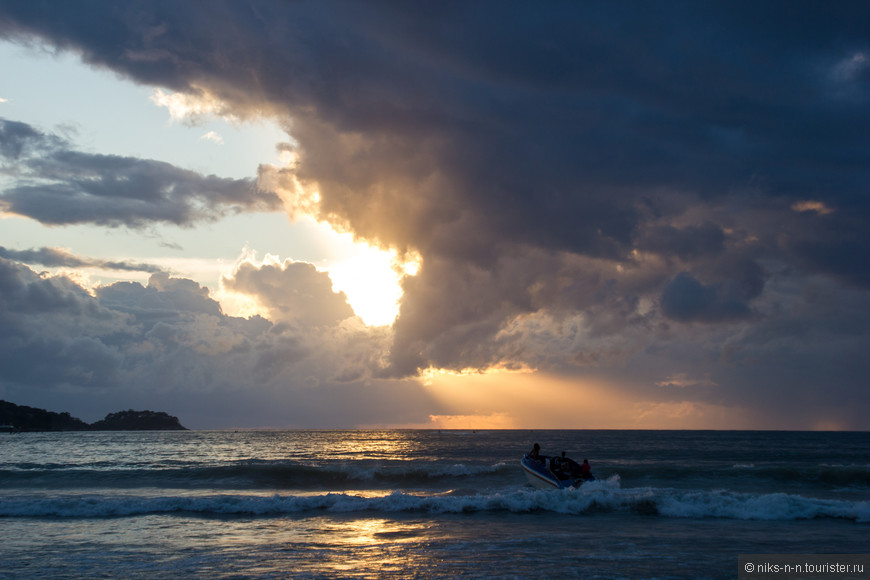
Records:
x=685, y=298
x=684, y=243
x=835, y=244
x=585, y=179
x=55, y=184
x=56, y=257
x=549, y=125
x=799, y=362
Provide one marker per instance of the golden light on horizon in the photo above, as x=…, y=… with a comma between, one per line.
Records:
x=536, y=400
x=525, y=399
x=429, y=375
x=492, y=421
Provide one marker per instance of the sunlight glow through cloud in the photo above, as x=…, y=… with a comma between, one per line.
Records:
x=521, y=399
x=370, y=278
x=190, y=109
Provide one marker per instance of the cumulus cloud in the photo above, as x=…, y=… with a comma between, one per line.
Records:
x=54, y=183
x=52, y=331
x=170, y=338
x=291, y=292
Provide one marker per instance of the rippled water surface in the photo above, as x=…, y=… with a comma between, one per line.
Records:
x=423, y=504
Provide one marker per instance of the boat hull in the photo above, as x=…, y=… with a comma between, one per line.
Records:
x=541, y=477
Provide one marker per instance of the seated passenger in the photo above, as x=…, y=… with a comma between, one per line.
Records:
x=573, y=468
x=535, y=454
x=586, y=470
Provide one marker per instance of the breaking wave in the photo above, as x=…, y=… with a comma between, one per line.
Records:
x=595, y=497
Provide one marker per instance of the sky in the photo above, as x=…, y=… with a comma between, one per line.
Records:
x=328, y=214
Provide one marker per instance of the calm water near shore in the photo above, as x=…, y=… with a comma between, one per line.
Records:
x=422, y=504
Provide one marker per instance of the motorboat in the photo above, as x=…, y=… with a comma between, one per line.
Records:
x=553, y=472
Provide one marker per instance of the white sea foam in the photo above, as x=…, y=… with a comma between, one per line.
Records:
x=773, y=506
x=598, y=496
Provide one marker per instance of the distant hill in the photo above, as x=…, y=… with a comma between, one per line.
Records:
x=22, y=418
x=138, y=421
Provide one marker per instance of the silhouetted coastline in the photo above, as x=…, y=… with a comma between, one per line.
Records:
x=21, y=418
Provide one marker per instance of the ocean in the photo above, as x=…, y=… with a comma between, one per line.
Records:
x=423, y=504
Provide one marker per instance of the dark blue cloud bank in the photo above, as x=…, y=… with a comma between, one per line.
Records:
x=641, y=190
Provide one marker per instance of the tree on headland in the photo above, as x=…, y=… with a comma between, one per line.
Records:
x=131, y=420
x=23, y=418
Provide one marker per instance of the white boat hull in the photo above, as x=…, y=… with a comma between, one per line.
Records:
x=541, y=477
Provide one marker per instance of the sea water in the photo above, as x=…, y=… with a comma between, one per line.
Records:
x=423, y=504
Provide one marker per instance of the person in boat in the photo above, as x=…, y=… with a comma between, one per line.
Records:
x=535, y=454
x=586, y=471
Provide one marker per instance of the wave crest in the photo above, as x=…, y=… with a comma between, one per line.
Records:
x=600, y=496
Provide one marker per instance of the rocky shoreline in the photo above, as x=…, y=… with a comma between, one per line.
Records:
x=20, y=418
